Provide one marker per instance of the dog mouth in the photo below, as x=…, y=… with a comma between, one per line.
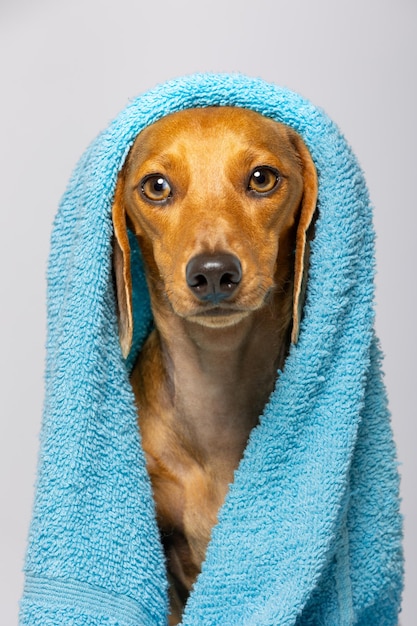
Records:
x=218, y=311
x=219, y=316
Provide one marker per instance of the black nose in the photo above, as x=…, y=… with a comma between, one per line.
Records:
x=213, y=277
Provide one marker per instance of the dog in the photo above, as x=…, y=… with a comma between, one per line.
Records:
x=222, y=201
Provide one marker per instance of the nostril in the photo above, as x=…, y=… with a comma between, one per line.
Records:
x=230, y=280
x=199, y=282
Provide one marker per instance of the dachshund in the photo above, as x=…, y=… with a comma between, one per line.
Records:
x=222, y=201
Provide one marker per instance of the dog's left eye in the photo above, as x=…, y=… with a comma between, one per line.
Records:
x=263, y=180
x=155, y=188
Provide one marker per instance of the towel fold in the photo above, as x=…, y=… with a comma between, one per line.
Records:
x=310, y=532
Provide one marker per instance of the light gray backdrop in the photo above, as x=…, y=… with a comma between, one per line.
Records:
x=68, y=67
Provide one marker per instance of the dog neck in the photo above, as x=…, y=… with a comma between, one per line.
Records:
x=216, y=381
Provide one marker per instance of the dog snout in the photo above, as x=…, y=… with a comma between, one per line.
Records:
x=213, y=277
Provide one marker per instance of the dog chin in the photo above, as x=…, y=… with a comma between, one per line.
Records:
x=218, y=320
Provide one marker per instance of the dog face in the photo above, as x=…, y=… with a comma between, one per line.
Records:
x=219, y=198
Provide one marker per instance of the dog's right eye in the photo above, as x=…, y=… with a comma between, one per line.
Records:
x=155, y=188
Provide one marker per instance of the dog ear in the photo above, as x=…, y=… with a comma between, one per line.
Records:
x=121, y=266
x=302, y=248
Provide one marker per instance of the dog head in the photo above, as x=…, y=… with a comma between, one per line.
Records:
x=220, y=200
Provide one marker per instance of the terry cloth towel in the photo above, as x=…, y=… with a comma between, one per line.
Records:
x=310, y=533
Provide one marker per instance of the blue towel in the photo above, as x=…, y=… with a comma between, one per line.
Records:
x=310, y=532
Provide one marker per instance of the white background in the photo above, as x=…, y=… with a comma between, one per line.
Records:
x=68, y=67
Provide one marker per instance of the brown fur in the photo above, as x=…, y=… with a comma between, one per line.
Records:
x=206, y=371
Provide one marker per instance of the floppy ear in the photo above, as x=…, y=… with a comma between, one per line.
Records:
x=308, y=207
x=121, y=265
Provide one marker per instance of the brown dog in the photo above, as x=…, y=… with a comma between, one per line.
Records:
x=221, y=200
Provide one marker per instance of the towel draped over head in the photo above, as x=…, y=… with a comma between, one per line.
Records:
x=310, y=532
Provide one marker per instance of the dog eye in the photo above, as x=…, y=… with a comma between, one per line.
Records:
x=155, y=188
x=263, y=180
